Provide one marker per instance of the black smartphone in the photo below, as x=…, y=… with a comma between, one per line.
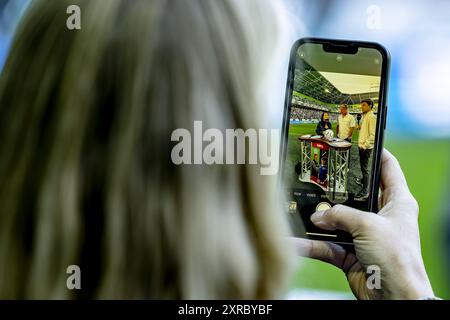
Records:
x=333, y=127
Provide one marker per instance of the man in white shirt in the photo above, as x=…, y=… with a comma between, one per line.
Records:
x=366, y=143
x=346, y=124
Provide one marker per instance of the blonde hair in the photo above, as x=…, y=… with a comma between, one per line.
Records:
x=85, y=124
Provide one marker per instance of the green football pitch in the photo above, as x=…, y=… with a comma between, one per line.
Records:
x=426, y=167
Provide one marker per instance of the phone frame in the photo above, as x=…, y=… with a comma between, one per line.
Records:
x=339, y=44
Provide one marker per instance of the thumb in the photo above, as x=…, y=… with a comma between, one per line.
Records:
x=321, y=250
x=342, y=218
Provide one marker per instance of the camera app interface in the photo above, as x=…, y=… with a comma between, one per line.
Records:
x=331, y=131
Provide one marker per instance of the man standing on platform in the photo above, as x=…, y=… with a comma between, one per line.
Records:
x=366, y=143
x=346, y=124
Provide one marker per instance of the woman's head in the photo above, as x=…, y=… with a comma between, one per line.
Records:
x=86, y=118
x=325, y=116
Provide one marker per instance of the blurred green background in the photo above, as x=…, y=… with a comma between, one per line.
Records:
x=425, y=164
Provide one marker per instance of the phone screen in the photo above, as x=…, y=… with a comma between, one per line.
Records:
x=333, y=127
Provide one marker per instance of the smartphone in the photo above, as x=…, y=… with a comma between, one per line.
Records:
x=333, y=128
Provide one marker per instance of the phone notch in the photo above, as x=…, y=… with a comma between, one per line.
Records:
x=340, y=48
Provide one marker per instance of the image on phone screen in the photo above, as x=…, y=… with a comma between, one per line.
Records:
x=332, y=124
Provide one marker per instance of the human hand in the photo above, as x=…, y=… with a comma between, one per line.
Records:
x=389, y=240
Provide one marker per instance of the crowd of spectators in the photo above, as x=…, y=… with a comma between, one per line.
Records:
x=311, y=115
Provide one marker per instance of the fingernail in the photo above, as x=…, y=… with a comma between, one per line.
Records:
x=317, y=216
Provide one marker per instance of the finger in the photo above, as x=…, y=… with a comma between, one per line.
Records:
x=391, y=173
x=380, y=202
x=320, y=250
x=395, y=188
x=344, y=218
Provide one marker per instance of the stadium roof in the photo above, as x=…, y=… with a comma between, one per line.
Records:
x=353, y=84
x=333, y=87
